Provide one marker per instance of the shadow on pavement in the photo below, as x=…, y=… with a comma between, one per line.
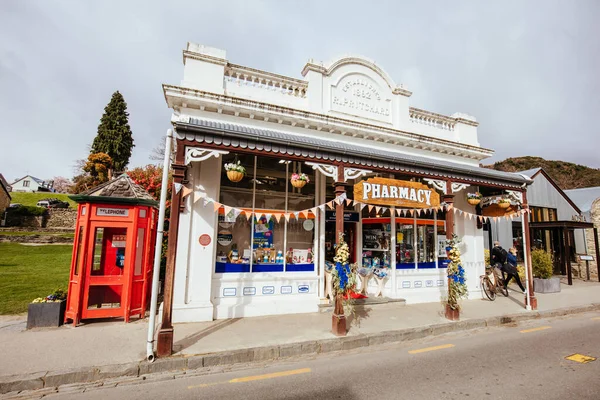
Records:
x=196, y=337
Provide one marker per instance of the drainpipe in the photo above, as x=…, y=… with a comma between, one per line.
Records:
x=157, y=251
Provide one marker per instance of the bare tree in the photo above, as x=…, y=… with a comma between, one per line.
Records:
x=158, y=153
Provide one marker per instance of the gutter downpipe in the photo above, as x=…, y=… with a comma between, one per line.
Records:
x=158, y=248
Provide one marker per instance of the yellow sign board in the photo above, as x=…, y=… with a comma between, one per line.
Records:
x=392, y=192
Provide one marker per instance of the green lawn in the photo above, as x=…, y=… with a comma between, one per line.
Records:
x=31, y=199
x=27, y=272
x=32, y=233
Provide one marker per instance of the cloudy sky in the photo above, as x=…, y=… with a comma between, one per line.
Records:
x=529, y=71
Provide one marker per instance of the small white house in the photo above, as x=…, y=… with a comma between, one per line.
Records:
x=31, y=184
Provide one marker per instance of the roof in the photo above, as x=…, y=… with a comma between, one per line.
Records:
x=531, y=172
x=119, y=190
x=279, y=142
x=585, y=197
x=37, y=180
x=4, y=185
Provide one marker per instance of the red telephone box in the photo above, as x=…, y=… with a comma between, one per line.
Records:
x=113, y=252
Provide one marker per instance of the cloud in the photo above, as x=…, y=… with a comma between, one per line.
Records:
x=527, y=71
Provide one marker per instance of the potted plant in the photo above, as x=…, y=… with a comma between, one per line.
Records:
x=47, y=311
x=299, y=180
x=474, y=198
x=235, y=171
x=504, y=202
x=543, y=282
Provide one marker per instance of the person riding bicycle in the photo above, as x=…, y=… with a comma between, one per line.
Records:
x=510, y=268
x=497, y=259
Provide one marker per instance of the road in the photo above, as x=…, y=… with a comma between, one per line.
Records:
x=519, y=362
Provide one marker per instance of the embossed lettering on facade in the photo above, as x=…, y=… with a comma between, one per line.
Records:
x=360, y=94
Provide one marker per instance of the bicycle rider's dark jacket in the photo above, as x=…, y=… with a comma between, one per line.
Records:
x=497, y=256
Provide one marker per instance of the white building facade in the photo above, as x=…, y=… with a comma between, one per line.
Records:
x=261, y=245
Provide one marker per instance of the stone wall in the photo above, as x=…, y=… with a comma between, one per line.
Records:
x=61, y=218
x=25, y=221
x=589, y=237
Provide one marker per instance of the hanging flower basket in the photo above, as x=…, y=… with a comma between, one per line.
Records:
x=299, y=180
x=235, y=171
x=474, y=198
x=504, y=203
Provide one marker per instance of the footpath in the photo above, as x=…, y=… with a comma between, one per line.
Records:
x=103, y=354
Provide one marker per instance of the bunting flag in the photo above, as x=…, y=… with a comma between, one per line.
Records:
x=362, y=205
x=287, y=217
x=186, y=190
x=277, y=216
x=348, y=202
x=377, y=209
x=268, y=217
x=178, y=187
x=217, y=205
x=248, y=214
x=304, y=214
x=198, y=196
x=330, y=204
x=321, y=207
x=314, y=211
x=370, y=208
x=227, y=209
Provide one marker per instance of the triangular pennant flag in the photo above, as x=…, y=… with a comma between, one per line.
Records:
x=186, y=190
x=339, y=200
x=398, y=211
x=377, y=209
x=287, y=216
x=178, y=186
x=304, y=214
x=248, y=214
x=236, y=212
x=197, y=196
x=296, y=214
x=370, y=208
x=257, y=216
x=216, y=206
x=321, y=207
x=314, y=211
x=362, y=205
x=268, y=217
x=348, y=202
x=227, y=209
x=330, y=204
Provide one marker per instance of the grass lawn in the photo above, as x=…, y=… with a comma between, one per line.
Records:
x=27, y=272
x=31, y=233
x=31, y=199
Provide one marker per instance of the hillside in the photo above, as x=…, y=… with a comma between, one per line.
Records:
x=31, y=199
x=567, y=175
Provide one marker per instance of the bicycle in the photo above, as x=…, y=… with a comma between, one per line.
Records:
x=492, y=283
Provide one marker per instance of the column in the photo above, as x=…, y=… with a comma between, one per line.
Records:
x=527, y=255
x=165, y=333
x=568, y=256
x=338, y=320
x=448, y=198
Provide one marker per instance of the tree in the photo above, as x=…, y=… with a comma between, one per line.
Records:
x=114, y=134
x=158, y=153
x=150, y=178
x=61, y=184
x=97, y=170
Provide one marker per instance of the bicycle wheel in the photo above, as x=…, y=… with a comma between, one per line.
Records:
x=504, y=290
x=489, y=289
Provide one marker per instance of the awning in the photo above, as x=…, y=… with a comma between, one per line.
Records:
x=226, y=135
x=561, y=224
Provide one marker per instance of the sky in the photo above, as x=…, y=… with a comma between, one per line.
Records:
x=528, y=71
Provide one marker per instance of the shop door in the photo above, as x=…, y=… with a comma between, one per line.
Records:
x=106, y=290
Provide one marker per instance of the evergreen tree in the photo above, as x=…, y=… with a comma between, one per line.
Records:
x=114, y=134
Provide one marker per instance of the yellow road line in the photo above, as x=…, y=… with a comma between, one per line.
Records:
x=255, y=378
x=271, y=376
x=596, y=319
x=540, y=328
x=580, y=358
x=444, y=346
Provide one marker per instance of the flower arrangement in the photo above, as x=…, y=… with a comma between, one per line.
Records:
x=299, y=180
x=364, y=271
x=235, y=171
x=343, y=275
x=474, y=198
x=457, y=287
x=56, y=296
x=504, y=202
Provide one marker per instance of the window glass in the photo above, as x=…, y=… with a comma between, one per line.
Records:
x=139, y=252
x=109, y=251
x=376, y=242
x=405, y=243
x=79, y=253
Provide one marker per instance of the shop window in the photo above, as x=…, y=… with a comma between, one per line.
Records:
x=543, y=214
x=266, y=242
x=405, y=243
x=426, y=240
x=377, y=231
x=139, y=252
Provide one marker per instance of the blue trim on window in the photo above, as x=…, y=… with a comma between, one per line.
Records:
x=222, y=267
x=425, y=265
x=443, y=262
x=300, y=267
x=267, y=268
x=405, y=266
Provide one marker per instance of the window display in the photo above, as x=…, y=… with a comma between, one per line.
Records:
x=405, y=243
x=376, y=242
x=259, y=243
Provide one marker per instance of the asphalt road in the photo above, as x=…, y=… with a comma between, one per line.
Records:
x=519, y=362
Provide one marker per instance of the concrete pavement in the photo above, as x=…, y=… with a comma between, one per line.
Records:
x=517, y=362
x=103, y=350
